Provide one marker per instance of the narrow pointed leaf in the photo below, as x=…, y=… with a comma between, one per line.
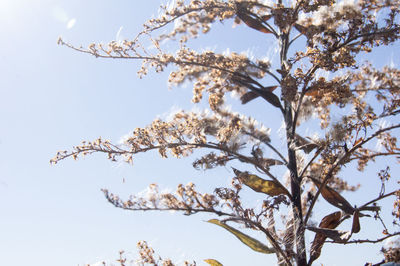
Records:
x=258, y=184
x=269, y=162
x=252, y=22
x=304, y=144
x=336, y=235
x=251, y=95
x=266, y=17
x=252, y=243
x=300, y=28
x=356, y=222
x=334, y=198
x=330, y=221
x=313, y=92
x=271, y=98
x=213, y=262
x=281, y=71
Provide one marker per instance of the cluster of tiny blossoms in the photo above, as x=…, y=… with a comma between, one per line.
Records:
x=338, y=30
x=185, y=132
x=223, y=202
x=215, y=73
x=147, y=256
x=185, y=199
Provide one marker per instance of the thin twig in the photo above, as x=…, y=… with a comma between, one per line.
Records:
x=339, y=162
x=359, y=241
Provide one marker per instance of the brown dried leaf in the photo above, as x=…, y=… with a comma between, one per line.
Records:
x=336, y=235
x=269, y=162
x=271, y=98
x=300, y=28
x=251, y=95
x=266, y=17
x=304, y=144
x=334, y=198
x=252, y=22
x=330, y=221
x=356, y=222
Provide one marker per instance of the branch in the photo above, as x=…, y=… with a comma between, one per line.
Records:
x=269, y=145
x=377, y=199
x=307, y=79
x=359, y=241
x=339, y=161
x=155, y=59
x=181, y=15
x=316, y=154
x=375, y=155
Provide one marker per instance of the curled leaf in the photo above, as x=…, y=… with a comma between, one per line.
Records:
x=330, y=221
x=356, y=222
x=213, y=262
x=334, y=198
x=254, y=23
x=269, y=187
x=304, y=144
x=252, y=243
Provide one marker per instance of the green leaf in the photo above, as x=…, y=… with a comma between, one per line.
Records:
x=252, y=243
x=213, y=262
x=256, y=183
x=336, y=235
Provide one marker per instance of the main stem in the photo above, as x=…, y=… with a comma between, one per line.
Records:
x=295, y=182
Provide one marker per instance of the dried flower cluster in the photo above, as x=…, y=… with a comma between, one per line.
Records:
x=336, y=33
x=146, y=256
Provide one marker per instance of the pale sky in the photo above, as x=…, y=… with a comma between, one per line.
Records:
x=52, y=98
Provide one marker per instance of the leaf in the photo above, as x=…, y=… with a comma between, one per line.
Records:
x=356, y=222
x=252, y=243
x=358, y=141
x=252, y=22
x=251, y=95
x=269, y=187
x=283, y=72
x=336, y=235
x=300, y=28
x=334, y=198
x=269, y=162
x=265, y=18
x=248, y=96
x=330, y=221
x=213, y=262
x=314, y=92
x=303, y=144
x=271, y=98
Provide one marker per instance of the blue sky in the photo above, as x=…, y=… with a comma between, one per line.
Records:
x=52, y=98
